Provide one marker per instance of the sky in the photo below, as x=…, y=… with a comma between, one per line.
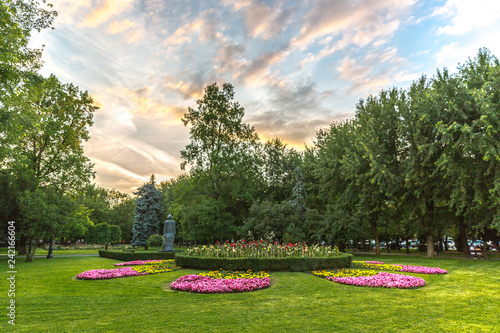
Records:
x=296, y=66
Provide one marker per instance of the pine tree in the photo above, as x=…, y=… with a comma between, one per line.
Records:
x=147, y=213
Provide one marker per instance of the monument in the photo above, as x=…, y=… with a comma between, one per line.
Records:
x=168, y=235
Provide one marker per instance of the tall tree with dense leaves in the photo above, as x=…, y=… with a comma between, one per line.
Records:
x=469, y=132
x=224, y=168
x=374, y=163
x=18, y=19
x=147, y=213
x=55, y=118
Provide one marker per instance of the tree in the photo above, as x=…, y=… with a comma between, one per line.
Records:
x=54, y=120
x=115, y=234
x=224, y=167
x=49, y=213
x=17, y=21
x=147, y=213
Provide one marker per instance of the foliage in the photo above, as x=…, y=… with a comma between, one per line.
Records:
x=115, y=234
x=147, y=213
x=130, y=256
x=290, y=264
x=270, y=221
x=155, y=240
x=103, y=233
x=49, y=213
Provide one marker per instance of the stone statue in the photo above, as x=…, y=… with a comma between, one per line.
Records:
x=168, y=235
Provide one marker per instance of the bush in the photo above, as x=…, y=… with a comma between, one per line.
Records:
x=290, y=264
x=131, y=256
x=155, y=241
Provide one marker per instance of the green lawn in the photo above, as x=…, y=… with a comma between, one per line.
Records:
x=50, y=299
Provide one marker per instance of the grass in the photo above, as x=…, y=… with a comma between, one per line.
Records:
x=49, y=299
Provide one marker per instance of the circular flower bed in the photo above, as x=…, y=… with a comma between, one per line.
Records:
x=382, y=279
x=219, y=282
x=143, y=268
x=208, y=285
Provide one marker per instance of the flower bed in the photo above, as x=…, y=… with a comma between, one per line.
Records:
x=344, y=273
x=209, y=285
x=102, y=274
x=378, y=266
x=223, y=274
x=152, y=267
x=382, y=279
x=262, y=249
x=142, y=262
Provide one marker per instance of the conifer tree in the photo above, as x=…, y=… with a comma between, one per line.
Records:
x=147, y=213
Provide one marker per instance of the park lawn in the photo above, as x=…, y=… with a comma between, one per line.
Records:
x=50, y=299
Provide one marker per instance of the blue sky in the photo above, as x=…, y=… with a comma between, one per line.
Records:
x=296, y=66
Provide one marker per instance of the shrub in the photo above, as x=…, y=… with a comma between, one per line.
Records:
x=155, y=241
x=291, y=264
x=131, y=256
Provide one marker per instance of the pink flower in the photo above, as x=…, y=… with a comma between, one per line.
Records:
x=101, y=274
x=422, y=270
x=208, y=285
x=382, y=279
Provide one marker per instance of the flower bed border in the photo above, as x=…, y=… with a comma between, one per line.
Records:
x=288, y=264
x=132, y=256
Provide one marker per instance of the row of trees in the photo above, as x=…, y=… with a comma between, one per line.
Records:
x=419, y=162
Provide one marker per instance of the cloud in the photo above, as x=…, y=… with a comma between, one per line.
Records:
x=364, y=20
x=262, y=20
x=116, y=27
x=104, y=11
x=374, y=71
x=467, y=15
x=293, y=112
x=202, y=28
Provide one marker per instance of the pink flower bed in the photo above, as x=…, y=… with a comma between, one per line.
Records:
x=137, y=262
x=382, y=279
x=208, y=285
x=422, y=270
x=101, y=274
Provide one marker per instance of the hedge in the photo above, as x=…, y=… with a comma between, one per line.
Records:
x=130, y=256
x=290, y=264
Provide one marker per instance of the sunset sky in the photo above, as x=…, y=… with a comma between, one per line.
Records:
x=296, y=66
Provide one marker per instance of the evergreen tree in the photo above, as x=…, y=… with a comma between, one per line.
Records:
x=147, y=213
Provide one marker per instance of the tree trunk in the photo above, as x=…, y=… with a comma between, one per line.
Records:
x=21, y=248
x=407, y=246
x=373, y=225
x=461, y=242
x=430, y=246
